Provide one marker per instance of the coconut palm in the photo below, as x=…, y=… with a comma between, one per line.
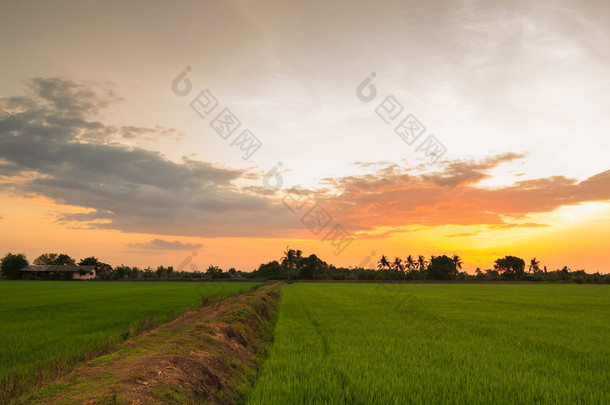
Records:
x=410, y=263
x=421, y=262
x=398, y=264
x=457, y=261
x=291, y=259
x=534, y=266
x=383, y=263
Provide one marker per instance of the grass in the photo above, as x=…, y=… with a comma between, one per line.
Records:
x=48, y=326
x=438, y=343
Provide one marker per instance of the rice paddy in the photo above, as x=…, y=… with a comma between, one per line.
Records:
x=49, y=325
x=438, y=343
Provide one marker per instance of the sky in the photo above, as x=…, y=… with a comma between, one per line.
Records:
x=205, y=133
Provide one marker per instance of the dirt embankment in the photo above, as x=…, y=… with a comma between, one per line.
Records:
x=208, y=356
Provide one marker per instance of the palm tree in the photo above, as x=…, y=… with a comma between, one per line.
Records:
x=534, y=266
x=457, y=261
x=383, y=263
x=421, y=262
x=398, y=264
x=410, y=263
x=290, y=260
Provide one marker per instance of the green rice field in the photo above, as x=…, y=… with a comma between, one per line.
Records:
x=49, y=325
x=346, y=343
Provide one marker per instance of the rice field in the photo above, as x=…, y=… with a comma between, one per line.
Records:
x=49, y=325
x=438, y=343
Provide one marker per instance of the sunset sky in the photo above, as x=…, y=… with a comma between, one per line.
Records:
x=474, y=128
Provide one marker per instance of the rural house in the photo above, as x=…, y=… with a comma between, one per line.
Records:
x=78, y=272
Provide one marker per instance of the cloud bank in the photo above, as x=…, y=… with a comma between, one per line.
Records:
x=53, y=144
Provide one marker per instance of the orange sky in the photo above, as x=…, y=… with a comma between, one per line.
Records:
x=578, y=239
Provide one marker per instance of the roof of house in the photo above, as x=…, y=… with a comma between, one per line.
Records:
x=50, y=267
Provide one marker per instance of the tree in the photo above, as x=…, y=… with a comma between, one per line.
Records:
x=398, y=264
x=457, y=261
x=534, y=266
x=122, y=271
x=213, y=271
x=291, y=259
x=271, y=270
x=383, y=263
x=442, y=268
x=312, y=267
x=58, y=259
x=510, y=267
x=104, y=271
x=161, y=272
x=89, y=261
x=12, y=265
x=410, y=263
x=421, y=262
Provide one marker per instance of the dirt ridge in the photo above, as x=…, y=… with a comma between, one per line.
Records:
x=206, y=356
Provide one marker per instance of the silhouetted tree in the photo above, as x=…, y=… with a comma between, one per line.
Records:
x=89, y=261
x=421, y=262
x=271, y=270
x=213, y=272
x=410, y=263
x=442, y=268
x=510, y=267
x=291, y=259
x=312, y=268
x=12, y=264
x=58, y=259
x=457, y=261
x=534, y=266
x=383, y=263
x=398, y=264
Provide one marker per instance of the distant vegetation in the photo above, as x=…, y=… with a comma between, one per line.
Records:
x=294, y=265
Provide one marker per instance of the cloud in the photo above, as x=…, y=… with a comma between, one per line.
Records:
x=160, y=244
x=396, y=197
x=50, y=147
x=498, y=227
x=463, y=172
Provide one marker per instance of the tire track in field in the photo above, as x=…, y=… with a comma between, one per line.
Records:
x=338, y=372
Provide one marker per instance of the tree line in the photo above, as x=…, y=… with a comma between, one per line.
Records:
x=12, y=264
x=294, y=265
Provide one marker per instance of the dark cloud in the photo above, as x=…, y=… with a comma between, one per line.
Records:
x=69, y=99
x=160, y=244
x=49, y=147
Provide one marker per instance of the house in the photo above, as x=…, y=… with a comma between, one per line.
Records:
x=78, y=272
